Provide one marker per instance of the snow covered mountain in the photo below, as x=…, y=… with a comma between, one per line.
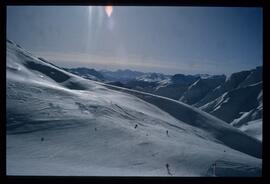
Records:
x=230, y=104
x=164, y=85
x=152, y=77
x=120, y=75
x=236, y=80
x=155, y=83
x=238, y=100
x=175, y=86
x=61, y=124
x=87, y=73
x=201, y=87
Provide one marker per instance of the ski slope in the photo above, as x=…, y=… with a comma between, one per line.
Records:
x=61, y=124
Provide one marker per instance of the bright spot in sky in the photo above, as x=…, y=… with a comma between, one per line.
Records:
x=108, y=10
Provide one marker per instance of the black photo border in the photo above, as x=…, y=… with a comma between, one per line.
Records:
x=95, y=179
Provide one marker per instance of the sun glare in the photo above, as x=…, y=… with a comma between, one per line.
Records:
x=108, y=10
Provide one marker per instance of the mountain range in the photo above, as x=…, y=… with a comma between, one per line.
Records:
x=236, y=99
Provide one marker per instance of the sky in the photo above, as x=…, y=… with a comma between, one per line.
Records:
x=170, y=40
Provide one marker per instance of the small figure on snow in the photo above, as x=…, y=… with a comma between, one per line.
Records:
x=214, y=169
x=167, y=132
x=42, y=139
x=136, y=126
x=168, y=169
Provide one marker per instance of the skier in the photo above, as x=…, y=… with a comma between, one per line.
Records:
x=168, y=169
x=167, y=132
x=136, y=126
x=42, y=139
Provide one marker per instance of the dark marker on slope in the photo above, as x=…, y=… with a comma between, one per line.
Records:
x=136, y=126
x=42, y=139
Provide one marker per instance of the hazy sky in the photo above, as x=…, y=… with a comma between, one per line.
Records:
x=171, y=40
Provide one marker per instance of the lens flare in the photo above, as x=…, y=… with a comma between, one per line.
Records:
x=108, y=10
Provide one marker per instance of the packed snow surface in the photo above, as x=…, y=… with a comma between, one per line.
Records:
x=61, y=124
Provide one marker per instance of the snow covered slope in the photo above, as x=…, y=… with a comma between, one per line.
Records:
x=217, y=129
x=61, y=124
